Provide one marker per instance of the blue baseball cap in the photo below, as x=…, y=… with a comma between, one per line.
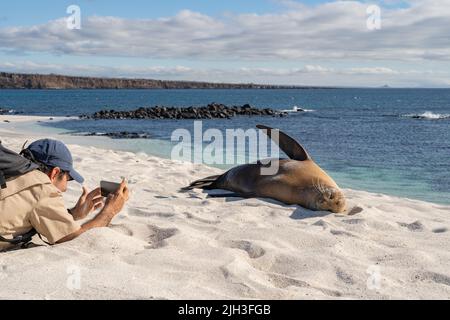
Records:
x=54, y=153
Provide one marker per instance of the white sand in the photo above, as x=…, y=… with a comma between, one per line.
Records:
x=171, y=245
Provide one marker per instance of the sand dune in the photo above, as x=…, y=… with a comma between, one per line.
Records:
x=172, y=245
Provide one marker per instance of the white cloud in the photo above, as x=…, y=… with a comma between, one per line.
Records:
x=376, y=70
x=329, y=31
x=94, y=71
x=318, y=69
x=323, y=44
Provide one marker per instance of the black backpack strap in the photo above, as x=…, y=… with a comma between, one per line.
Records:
x=2, y=180
x=25, y=238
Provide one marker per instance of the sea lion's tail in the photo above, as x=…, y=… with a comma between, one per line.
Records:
x=205, y=183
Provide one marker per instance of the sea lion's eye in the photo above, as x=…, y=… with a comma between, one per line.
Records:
x=331, y=196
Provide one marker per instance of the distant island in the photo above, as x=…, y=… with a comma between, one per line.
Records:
x=54, y=81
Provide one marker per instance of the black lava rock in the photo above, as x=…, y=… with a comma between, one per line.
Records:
x=211, y=111
x=5, y=111
x=119, y=135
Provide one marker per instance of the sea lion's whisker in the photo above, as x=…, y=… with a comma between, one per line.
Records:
x=316, y=185
x=320, y=186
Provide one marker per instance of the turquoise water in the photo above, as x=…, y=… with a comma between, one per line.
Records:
x=392, y=141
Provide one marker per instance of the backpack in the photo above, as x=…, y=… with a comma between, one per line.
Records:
x=14, y=165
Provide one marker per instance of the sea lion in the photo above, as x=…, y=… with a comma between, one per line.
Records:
x=299, y=179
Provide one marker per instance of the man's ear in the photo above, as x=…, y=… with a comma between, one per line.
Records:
x=54, y=173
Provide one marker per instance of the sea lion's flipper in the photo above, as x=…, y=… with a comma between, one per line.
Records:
x=205, y=183
x=292, y=148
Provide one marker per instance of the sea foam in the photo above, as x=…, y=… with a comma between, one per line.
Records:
x=429, y=115
x=298, y=109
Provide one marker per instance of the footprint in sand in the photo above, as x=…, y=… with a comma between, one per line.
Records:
x=143, y=213
x=414, y=227
x=254, y=251
x=356, y=223
x=321, y=223
x=158, y=236
x=433, y=276
x=344, y=276
x=166, y=197
x=231, y=278
x=195, y=218
x=342, y=233
x=355, y=210
x=122, y=229
x=281, y=281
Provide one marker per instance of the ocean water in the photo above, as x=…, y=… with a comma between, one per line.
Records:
x=392, y=141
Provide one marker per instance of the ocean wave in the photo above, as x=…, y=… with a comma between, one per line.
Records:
x=297, y=109
x=428, y=115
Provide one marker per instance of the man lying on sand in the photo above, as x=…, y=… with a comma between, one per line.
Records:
x=33, y=202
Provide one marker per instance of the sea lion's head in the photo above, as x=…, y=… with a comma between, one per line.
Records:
x=330, y=199
x=320, y=191
x=315, y=189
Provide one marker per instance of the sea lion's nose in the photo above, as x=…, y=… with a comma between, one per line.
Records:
x=341, y=205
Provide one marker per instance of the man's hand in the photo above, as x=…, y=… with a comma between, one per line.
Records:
x=114, y=204
x=115, y=201
x=87, y=203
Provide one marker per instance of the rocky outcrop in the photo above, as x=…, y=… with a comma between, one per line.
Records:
x=6, y=111
x=119, y=135
x=53, y=81
x=211, y=111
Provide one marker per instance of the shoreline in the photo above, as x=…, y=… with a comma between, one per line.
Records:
x=131, y=145
x=74, y=140
x=171, y=245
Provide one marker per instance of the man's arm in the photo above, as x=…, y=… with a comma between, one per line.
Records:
x=103, y=219
x=114, y=204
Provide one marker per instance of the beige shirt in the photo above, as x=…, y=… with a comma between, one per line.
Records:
x=32, y=201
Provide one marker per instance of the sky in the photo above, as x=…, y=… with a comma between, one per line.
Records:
x=400, y=43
